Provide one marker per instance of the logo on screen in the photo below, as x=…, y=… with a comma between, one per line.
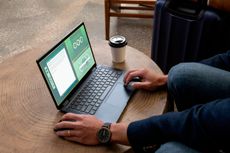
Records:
x=78, y=42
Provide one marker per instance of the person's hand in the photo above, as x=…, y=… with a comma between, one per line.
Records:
x=79, y=128
x=150, y=79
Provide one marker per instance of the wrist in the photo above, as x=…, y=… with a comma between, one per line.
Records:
x=163, y=80
x=119, y=133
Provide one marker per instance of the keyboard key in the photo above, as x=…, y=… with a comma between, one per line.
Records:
x=99, y=101
x=99, y=85
x=95, y=107
x=79, y=107
x=105, y=92
x=88, y=108
x=83, y=108
x=93, y=103
x=92, y=112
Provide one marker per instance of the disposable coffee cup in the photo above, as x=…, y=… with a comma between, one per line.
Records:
x=118, y=46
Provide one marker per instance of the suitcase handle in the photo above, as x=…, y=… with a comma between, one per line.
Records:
x=191, y=9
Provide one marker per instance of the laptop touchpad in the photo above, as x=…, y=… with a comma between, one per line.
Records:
x=119, y=96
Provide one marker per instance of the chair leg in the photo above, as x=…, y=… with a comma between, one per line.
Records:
x=107, y=19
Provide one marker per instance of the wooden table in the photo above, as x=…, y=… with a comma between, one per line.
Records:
x=28, y=114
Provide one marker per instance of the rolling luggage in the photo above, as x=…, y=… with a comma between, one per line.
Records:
x=187, y=30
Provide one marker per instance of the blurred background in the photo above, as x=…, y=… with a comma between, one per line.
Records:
x=27, y=24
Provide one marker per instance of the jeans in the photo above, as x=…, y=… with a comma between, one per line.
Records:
x=191, y=84
x=194, y=83
x=175, y=147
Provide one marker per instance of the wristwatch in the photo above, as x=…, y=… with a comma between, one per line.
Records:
x=104, y=134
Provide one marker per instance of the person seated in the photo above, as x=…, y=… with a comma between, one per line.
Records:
x=201, y=123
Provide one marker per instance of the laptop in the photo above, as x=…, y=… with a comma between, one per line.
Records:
x=77, y=84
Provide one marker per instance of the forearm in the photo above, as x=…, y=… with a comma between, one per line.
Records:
x=203, y=126
x=119, y=133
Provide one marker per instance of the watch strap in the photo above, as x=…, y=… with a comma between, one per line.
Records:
x=107, y=125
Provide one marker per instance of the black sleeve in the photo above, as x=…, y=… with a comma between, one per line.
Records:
x=201, y=127
x=221, y=61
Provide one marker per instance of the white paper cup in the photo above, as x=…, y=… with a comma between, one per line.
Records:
x=118, y=48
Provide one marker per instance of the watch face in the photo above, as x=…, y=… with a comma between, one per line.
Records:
x=104, y=135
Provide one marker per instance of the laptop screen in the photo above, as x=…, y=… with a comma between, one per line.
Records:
x=67, y=63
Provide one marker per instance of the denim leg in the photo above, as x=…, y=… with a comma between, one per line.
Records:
x=175, y=147
x=195, y=83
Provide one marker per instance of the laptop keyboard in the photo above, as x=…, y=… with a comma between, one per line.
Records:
x=93, y=94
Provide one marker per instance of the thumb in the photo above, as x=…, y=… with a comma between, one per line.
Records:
x=140, y=85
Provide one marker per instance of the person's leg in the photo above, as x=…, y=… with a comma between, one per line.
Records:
x=175, y=147
x=194, y=83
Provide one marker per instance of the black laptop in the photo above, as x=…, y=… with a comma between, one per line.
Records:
x=77, y=84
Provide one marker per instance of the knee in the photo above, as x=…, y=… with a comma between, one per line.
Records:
x=180, y=76
x=174, y=77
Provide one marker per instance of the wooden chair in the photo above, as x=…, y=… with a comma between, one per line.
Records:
x=115, y=8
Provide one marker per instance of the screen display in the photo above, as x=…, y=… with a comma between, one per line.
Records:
x=67, y=64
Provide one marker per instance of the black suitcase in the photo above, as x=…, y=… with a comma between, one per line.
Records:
x=187, y=31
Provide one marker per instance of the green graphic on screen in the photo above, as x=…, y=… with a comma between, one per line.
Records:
x=67, y=64
x=80, y=52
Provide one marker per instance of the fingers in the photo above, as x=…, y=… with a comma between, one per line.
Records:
x=77, y=139
x=79, y=128
x=68, y=133
x=64, y=133
x=71, y=117
x=127, y=74
x=131, y=74
x=65, y=125
x=141, y=85
x=71, y=135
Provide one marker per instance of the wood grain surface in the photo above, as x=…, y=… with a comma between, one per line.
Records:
x=28, y=114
